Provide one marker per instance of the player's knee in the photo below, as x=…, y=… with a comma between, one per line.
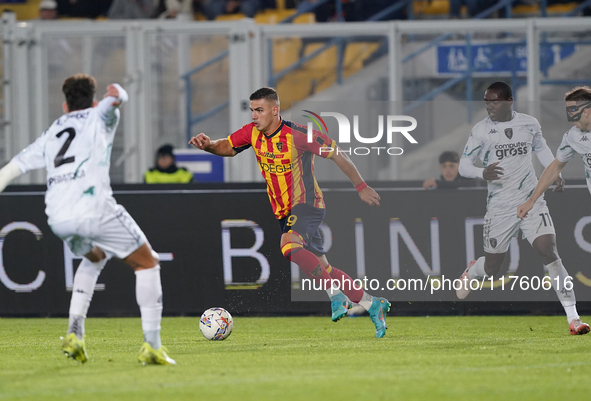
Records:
x=91, y=268
x=492, y=269
x=548, y=256
x=95, y=255
x=291, y=248
x=545, y=246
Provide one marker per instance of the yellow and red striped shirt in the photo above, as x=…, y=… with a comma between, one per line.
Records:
x=286, y=161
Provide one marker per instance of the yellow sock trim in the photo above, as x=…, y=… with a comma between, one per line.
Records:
x=290, y=246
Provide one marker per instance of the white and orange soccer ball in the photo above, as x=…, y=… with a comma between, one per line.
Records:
x=216, y=324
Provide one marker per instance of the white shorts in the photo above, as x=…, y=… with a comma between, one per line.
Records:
x=116, y=234
x=498, y=230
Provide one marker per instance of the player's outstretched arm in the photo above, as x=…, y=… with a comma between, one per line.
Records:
x=549, y=175
x=7, y=174
x=219, y=147
x=116, y=91
x=114, y=97
x=366, y=193
x=546, y=157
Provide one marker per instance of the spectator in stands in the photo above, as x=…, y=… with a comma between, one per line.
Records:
x=215, y=8
x=323, y=13
x=362, y=10
x=474, y=7
x=83, y=8
x=131, y=9
x=166, y=170
x=353, y=10
x=178, y=9
x=449, y=163
x=48, y=10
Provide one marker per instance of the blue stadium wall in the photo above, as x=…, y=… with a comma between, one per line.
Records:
x=195, y=228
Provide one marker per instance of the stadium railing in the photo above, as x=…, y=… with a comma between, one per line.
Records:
x=159, y=108
x=341, y=44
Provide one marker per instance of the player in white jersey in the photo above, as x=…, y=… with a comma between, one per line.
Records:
x=504, y=142
x=81, y=210
x=575, y=141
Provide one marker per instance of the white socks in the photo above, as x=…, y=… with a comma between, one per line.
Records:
x=84, y=282
x=148, y=293
x=366, y=301
x=558, y=275
x=476, y=271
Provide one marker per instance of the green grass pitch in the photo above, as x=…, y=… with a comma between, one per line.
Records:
x=303, y=358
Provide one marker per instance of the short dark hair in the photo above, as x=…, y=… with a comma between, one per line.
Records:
x=578, y=94
x=265, y=93
x=79, y=91
x=502, y=88
x=449, y=156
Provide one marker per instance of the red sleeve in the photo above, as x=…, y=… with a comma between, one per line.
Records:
x=240, y=140
x=321, y=145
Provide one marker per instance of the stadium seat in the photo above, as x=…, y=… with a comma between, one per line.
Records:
x=285, y=52
x=534, y=10
x=526, y=10
x=327, y=60
x=319, y=73
x=275, y=16
x=230, y=17
x=313, y=76
x=24, y=11
x=430, y=9
x=296, y=86
x=560, y=9
x=355, y=55
x=199, y=16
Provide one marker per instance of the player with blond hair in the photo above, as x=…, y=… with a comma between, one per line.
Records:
x=575, y=141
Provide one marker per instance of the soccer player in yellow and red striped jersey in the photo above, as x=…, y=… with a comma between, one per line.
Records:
x=286, y=161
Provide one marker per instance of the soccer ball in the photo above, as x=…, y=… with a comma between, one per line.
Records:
x=216, y=324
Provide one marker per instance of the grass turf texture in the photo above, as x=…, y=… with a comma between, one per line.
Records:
x=303, y=358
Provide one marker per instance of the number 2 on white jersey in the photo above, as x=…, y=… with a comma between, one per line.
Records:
x=60, y=159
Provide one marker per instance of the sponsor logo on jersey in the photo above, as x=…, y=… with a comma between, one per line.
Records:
x=584, y=138
x=274, y=168
x=270, y=155
x=493, y=131
x=58, y=179
x=511, y=149
x=509, y=132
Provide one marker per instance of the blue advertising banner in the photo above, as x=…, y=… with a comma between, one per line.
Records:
x=497, y=57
